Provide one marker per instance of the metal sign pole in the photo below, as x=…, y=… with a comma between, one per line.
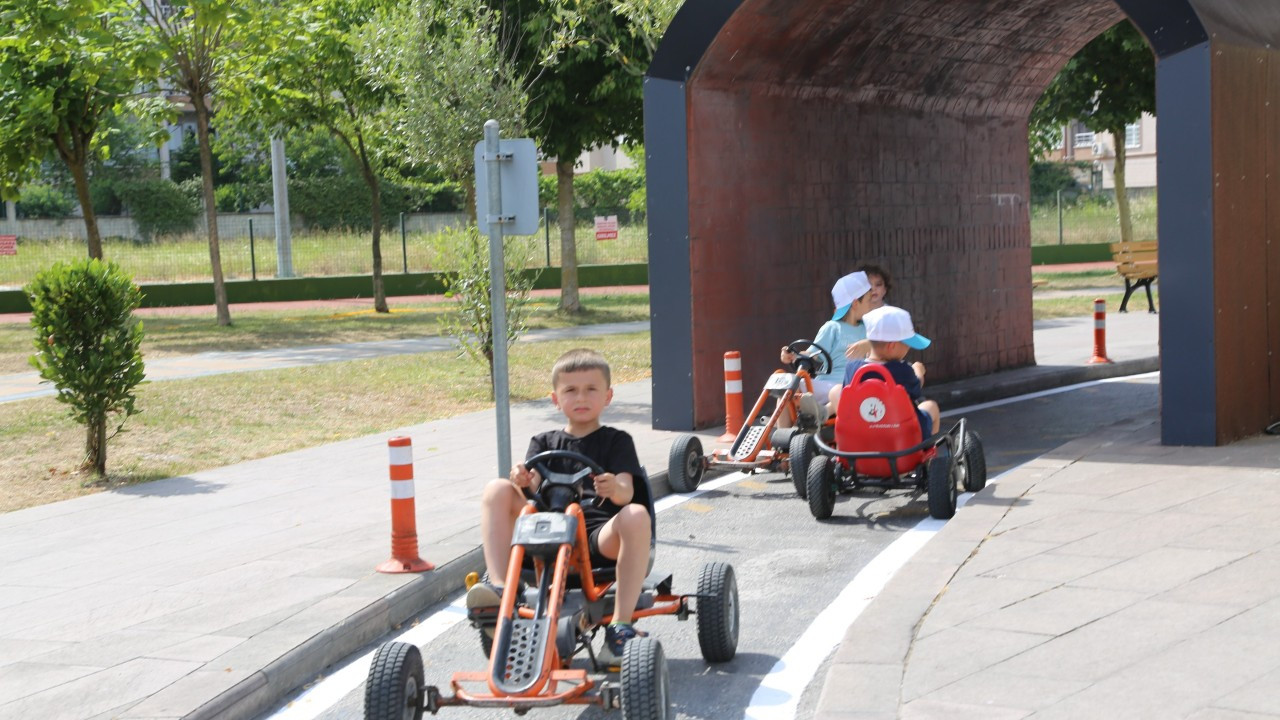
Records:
x=498, y=297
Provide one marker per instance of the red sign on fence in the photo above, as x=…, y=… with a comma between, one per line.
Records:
x=8, y=244
x=607, y=227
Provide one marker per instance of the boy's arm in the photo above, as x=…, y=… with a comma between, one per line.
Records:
x=617, y=488
x=919, y=368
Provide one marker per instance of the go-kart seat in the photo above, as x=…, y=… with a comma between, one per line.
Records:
x=877, y=415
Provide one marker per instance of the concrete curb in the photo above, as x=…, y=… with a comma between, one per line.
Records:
x=261, y=691
x=988, y=388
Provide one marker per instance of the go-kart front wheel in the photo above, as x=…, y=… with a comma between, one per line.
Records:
x=645, y=680
x=394, y=688
x=941, y=485
x=718, y=612
x=685, y=464
x=974, y=462
x=820, y=480
x=799, y=455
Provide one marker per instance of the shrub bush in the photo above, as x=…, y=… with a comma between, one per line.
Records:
x=88, y=344
x=158, y=207
x=344, y=202
x=45, y=201
x=620, y=192
x=241, y=196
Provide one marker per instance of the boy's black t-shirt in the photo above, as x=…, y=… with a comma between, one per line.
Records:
x=902, y=373
x=611, y=448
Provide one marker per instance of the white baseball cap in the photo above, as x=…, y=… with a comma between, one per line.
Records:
x=846, y=290
x=893, y=324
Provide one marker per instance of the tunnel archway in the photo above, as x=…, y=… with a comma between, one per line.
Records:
x=788, y=139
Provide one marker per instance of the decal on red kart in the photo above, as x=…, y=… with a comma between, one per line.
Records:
x=871, y=409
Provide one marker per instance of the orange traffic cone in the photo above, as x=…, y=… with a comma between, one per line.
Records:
x=1099, y=332
x=732, y=396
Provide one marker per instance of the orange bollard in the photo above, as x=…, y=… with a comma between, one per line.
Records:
x=1099, y=332
x=404, y=524
x=732, y=395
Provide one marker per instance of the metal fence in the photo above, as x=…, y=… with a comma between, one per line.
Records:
x=1067, y=220
x=413, y=243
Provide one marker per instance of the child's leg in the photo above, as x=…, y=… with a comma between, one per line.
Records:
x=499, y=508
x=833, y=399
x=935, y=413
x=626, y=539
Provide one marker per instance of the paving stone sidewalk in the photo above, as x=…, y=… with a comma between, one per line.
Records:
x=1111, y=578
x=215, y=594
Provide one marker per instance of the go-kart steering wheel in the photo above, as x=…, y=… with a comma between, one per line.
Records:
x=558, y=490
x=810, y=362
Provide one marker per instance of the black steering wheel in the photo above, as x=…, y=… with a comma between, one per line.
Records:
x=810, y=362
x=559, y=490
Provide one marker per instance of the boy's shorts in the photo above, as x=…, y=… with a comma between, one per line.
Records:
x=598, y=559
x=926, y=424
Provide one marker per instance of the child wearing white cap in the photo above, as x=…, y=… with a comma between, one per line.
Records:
x=843, y=336
x=892, y=336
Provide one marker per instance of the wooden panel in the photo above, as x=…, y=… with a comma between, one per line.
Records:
x=1272, y=154
x=1241, y=177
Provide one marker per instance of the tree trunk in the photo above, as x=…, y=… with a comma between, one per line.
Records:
x=81, y=179
x=95, y=446
x=1122, y=195
x=210, y=209
x=375, y=196
x=568, y=247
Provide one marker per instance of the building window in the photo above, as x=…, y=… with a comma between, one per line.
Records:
x=1133, y=135
x=1084, y=138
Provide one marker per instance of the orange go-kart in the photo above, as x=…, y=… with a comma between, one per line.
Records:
x=761, y=445
x=533, y=637
x=878, y=444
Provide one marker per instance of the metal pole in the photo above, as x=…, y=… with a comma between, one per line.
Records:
x=546, y=224
x=498, y=297
x=1059, y=217
x=280, y=201
x=253, y=256
x=404, y=247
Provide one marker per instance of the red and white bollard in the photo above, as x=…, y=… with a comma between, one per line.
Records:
x=404, y=524
x=1099, y=332
x=732, y=395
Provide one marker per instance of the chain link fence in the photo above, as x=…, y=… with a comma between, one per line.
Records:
x=412, y=243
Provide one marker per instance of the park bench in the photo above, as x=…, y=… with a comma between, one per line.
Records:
x=1136, y=263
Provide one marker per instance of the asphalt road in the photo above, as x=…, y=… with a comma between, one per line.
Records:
x=789, y=566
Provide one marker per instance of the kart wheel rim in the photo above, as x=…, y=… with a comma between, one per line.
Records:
x=411, y=700
x=692, y=465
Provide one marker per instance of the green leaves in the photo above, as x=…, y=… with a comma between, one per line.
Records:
x=88, y=344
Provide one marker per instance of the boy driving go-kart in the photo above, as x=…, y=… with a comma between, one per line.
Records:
x=575, y=521
x=884, y=429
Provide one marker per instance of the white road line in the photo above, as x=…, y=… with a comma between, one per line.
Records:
x=319, y=697
x=1046, y=393
x=779, y=692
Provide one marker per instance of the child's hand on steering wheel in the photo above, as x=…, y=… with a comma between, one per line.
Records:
x=522, y=477
x=606, y=485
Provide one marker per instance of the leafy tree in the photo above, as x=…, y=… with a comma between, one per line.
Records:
x=315, y=78
x=580, y=96
x=471, y=324
x=88, y=344
x=1107, y=85
x=202, y=42
x=65, y=67
x=454, y=72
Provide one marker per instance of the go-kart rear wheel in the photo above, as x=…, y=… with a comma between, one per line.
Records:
x=685, y=464
x=974, y=461
x=821, y=482
x=799, y=455
x=941, y=485
x=394, y=688
x=645, y=680
x=718, y=612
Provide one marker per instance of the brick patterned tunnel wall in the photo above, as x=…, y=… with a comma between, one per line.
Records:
x=785, y=203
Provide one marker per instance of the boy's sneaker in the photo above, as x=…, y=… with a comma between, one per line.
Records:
x=615, y=641
x=815, y=412
x=484, y=595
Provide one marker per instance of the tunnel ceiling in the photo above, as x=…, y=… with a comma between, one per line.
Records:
x=957, y=57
